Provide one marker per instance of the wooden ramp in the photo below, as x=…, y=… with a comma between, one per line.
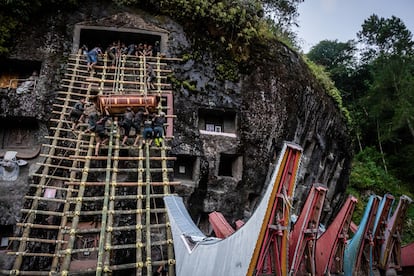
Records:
x=98, y=214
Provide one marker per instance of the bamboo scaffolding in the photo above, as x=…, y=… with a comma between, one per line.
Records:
x=32, y=214
x=68, y=165
x=75, y=220
x=66, y=208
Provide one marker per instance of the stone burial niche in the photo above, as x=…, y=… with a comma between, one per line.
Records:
x=20, y=134
x=104, y=36
x=14, y=72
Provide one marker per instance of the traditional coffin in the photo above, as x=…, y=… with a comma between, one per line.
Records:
x=117, y=104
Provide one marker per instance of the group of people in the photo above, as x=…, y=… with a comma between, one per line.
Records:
x=150, y=124
x=86, y=111
x=117, y=49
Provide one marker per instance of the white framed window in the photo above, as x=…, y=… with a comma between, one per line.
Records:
x=210, y=127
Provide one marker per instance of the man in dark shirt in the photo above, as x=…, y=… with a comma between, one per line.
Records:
x=138, y=121
x=159, y=122
x=126, y=123
x=100, y=132
x=76, y=114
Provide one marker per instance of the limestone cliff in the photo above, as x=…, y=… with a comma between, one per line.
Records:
x=227, y=133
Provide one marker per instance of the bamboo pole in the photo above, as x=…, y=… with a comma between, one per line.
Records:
x=36, y=240
x=54, y=187
x=30, y=273
x=148, y=210
x=104, y=212
x=111, y=207
x=121, y=212
x=138, y=232
x=170, y=248
x=135, y=265
x=38, y=226
x=153, y=183
x=123, y=157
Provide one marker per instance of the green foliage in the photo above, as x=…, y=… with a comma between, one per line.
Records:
x=235, y=25
x=369, y=177
x=189, y=85
x=408, y=228
x=227, y=70
x=385, y=37
x=333, y=54
x=284, y=12
x=323, y=77
x=15, y=13
x=368, y=174
x=7, y=26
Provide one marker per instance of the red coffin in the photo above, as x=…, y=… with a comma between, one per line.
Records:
x=116, y=104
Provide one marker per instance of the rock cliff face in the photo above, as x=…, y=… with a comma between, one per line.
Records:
x=227, y=134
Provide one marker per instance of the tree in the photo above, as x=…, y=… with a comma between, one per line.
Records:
x=382, y=36
x=339, y=60
x=389, y=101
x=333, y=54
x=285, y=12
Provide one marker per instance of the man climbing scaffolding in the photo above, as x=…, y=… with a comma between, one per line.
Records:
x=159, y=122
x=76, y=114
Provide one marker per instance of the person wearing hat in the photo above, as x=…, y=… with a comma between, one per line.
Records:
x=126, y=124
x=159, y=122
